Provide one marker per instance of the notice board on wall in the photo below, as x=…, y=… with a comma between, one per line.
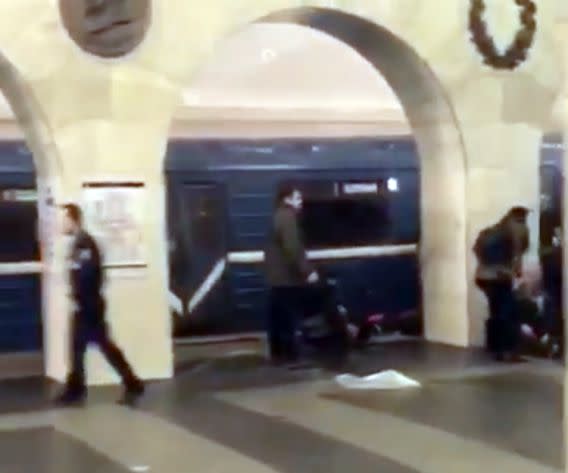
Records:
x=114, y=215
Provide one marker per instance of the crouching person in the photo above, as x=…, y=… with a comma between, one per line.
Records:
x=499, y=250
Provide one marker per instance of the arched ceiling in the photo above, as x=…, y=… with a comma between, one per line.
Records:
x=286, y=72
x=282, y=70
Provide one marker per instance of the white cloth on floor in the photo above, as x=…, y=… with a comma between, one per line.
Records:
x=384, y=380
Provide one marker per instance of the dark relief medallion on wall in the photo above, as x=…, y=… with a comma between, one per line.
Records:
x=106, y=28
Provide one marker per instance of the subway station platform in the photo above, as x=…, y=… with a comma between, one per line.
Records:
x=241, y=415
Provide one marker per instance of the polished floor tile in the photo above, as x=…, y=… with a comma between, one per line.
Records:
x=240, y=414
x=408, y=442
x=517, y=412
x=46, y=450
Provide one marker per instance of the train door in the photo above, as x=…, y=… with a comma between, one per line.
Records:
x=199, y=259
x=551, y=192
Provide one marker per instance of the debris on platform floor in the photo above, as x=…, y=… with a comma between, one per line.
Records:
x=389, y=379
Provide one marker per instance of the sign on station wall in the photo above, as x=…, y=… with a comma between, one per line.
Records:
x=114, y=214
x=48, y=227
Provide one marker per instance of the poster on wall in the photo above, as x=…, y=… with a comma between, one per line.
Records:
x=114, y=214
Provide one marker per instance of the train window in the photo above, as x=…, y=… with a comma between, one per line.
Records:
x=203, y=223
x=346, y=221
x=339, y=214
x=204, y=206
x=18, y=229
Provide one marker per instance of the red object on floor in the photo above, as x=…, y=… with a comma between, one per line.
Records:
x=375, y=318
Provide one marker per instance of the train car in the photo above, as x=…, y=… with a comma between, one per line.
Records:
x=360, y=220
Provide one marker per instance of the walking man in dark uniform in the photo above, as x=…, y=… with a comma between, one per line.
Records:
x=89, y=324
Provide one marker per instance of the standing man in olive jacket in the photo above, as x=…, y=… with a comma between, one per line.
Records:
x=288, y=271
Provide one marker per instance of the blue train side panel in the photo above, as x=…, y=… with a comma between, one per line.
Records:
x=551, y=182
x=20, y=294
x=20, y=314
x=245, y=175
x=248, y=173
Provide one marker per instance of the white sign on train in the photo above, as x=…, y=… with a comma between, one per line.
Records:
x=361, y=188
x=19, y=195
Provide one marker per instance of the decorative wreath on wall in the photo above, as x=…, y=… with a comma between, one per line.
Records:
x=517, y=52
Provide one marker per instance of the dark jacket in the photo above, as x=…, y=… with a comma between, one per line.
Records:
x=286, y=261
x=499, y=250
x=87, y=276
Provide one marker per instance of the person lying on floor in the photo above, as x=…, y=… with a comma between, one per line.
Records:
x=536, y=335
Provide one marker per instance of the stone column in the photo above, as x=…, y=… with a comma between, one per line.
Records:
x=126, y=143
